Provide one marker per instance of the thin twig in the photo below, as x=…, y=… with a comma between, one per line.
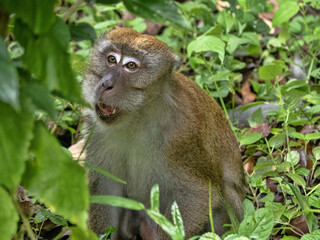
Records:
x=72, y=9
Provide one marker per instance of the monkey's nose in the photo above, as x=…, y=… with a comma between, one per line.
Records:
x=107, y=82
x=107, y=85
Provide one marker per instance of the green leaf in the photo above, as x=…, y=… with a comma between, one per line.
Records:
x=256, y=118
x=297, y=179
x=63, y=187
x=234, y=42
x=210, y=236
x=313, y=98
x=176, y=218
x=53, y=217
x=293, y=157
x=251, y=37
x=250, y=138
x=117, y=201
x=269, y=72
x=257, y=225
x=9, y=84
x=207, y=43
x=314, y=199
x=312, y=136
x=51, y=66
x=105, y=173
x=15, y=135
x=315, y=235
x=236, y=237
x=41, y=98
x=165, y=224
x=8, y=216
x=220, y=76
x=316, y=152
x=297, y=135
x=80, y=233
x=154, y=198
x=82, y=31
x=37, y=14
x=247, y=207
x=138, y=24
x=163, y=11
x=289, y=238
x=110, y=230
x=277, y=141
x=286, y=11
x=303, y=201
x=226, y=20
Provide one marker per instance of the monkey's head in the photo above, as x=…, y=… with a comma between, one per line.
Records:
x=127, y=70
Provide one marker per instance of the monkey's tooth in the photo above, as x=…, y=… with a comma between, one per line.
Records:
x=114, y=111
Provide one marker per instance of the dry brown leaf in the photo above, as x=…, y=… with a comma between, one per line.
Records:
x=249, y=164
x=247, y=95
x=76, y=150
x=300, y=225
x=308, y=128
x=263, y=128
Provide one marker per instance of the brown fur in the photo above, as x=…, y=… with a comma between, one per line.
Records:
x=168, y=131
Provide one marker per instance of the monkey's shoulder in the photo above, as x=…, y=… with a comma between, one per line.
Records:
x=203, y=139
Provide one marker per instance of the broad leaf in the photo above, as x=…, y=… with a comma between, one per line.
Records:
x=15, y=135
x=250, y=138
x=82, y=31
x=210, y=236
x=293, y=157
x=316, y=152
x=297, y=179
x=85, y=234
x=41, y=98
x=9, y=85
x=51, y=65
x=269, y=72
x=236, y=237
x=315, y=235
x=207, y=43
x=8, y=216
x=286, y=11
x=277, y=140
x=164, y=11
x=37, y=14
x=56, y=179
x=257, y=225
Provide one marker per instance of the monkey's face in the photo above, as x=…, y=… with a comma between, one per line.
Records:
x=127, y=70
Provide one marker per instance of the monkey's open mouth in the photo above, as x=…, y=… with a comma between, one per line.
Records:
x=106, y=111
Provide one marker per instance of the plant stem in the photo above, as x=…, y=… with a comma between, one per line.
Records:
x=72, y=9
x=310, y=68
x=25, y=220
x=218, y=91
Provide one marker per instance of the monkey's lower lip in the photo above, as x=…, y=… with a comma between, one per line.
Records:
x=106, y=111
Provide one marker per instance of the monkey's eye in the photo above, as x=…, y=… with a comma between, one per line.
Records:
x=112, y=59
x=131, y=65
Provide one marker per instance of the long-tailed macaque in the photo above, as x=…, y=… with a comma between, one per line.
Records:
x=153, y=125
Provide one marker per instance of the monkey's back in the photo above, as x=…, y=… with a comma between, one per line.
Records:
x=204, y=142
